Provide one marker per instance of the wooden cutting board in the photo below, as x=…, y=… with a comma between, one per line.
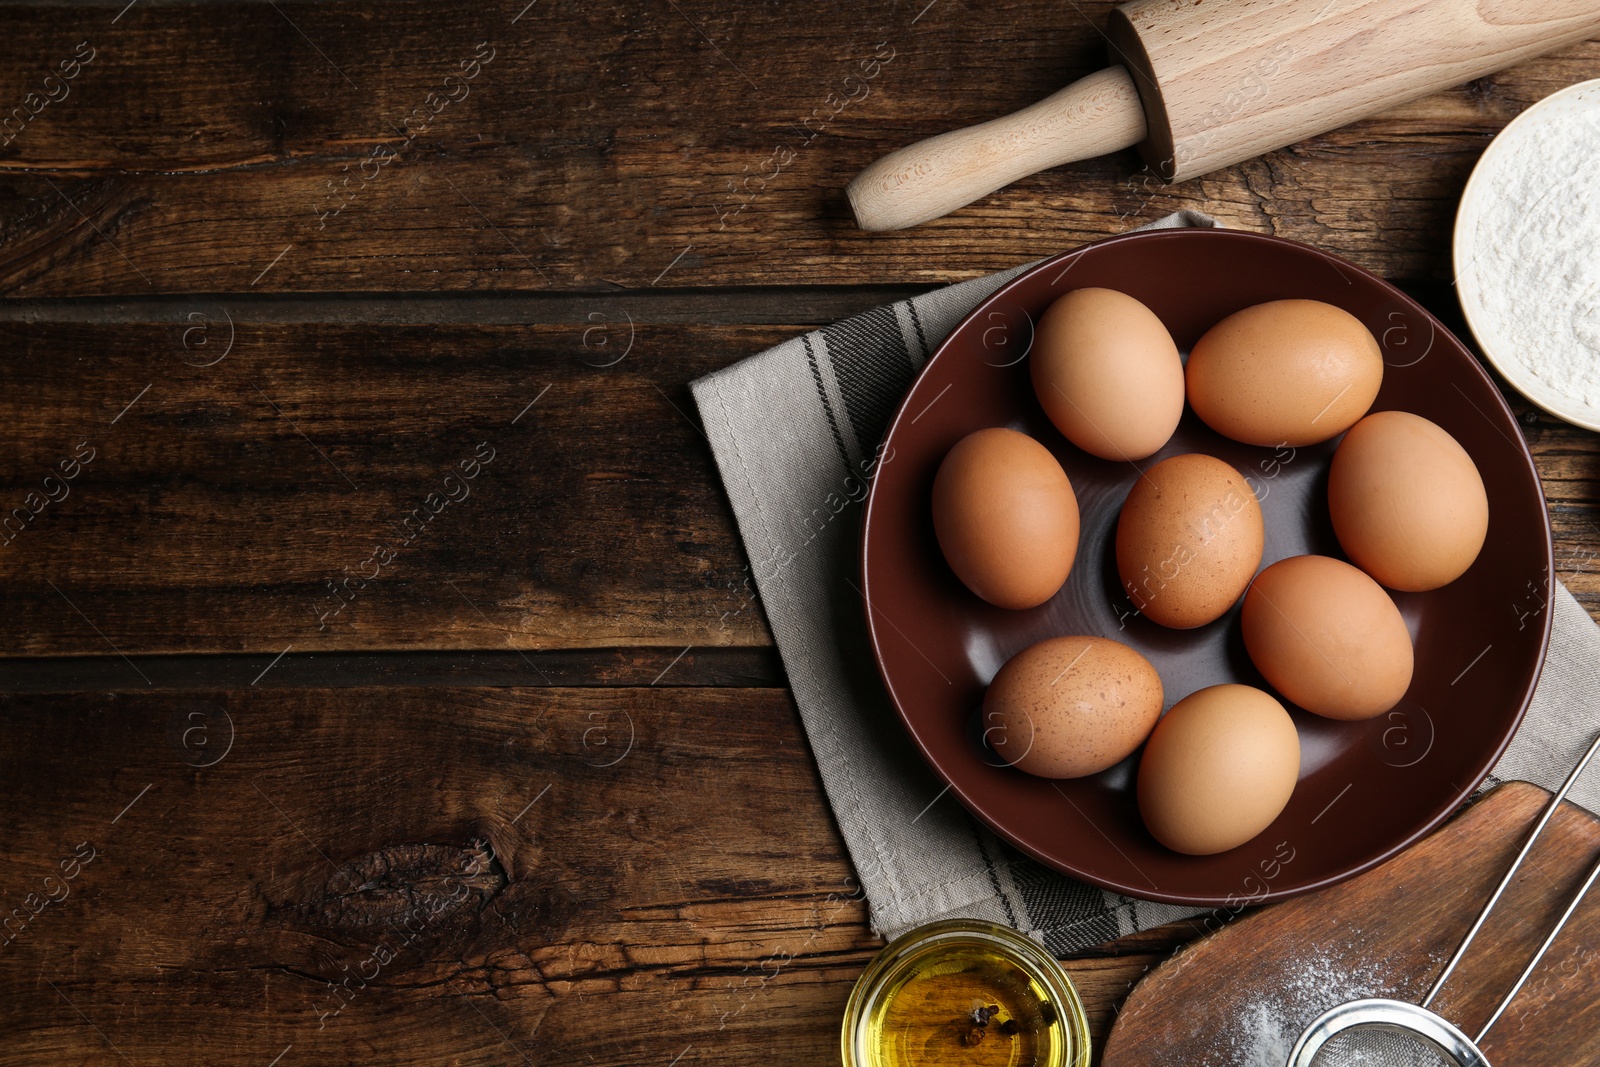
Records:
x=1240, y=997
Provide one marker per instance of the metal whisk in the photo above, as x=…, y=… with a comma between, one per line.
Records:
x=1395, y=1033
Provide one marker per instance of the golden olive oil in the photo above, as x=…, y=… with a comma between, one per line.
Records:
x=964, y=994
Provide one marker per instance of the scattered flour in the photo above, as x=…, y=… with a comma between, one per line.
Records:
x=1273, y=1021
x=1265, y=1030
x=1536, y=269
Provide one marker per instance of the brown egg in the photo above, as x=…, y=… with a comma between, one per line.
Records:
x=1407, y=501
x=1071, y=706
x=1006, y=517
x=1218, y=769
x=1188, y=540
x=1290, y=372
x=1327, y=637
x=1107, y=373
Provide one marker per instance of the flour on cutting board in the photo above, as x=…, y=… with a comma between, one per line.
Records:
x=1535, y=246
x=1263, y=1031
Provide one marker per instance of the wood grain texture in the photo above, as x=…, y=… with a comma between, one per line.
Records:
x=736, y=667
x=399, y=285
x=423, y=876
x=1388, y=933
x=213, y=505
x=1222, y=83
x=232, y=147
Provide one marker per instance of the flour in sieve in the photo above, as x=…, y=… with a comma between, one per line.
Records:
x=1537, y=244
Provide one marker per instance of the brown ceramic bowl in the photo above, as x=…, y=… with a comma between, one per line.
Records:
x=1367, y=790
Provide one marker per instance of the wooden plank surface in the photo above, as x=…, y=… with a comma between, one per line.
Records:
x=398, y=285
x=484, y=487
x=494, y=876
x=736, y=667
x=319, y=146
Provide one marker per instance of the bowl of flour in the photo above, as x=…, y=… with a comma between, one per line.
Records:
x=1527, y=253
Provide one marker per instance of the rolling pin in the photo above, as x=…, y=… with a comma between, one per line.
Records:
x=1199, y=85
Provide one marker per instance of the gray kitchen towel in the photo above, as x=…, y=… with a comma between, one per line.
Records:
x=795, y=432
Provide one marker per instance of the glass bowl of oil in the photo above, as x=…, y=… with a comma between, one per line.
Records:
x=964, y=993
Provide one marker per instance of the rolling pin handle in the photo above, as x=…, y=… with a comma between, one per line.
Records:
x=1094, y=115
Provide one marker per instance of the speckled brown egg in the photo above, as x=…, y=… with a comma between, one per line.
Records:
x=1407, y=501
x=1006, y=517
x=1289, y=372
x=1219, y=768
x=1071, y=706
x=1327, y=637
x=1188, y=540
x=1107, y=373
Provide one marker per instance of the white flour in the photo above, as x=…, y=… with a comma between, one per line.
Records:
x=1273, y=1021
x=1537, y=245
x=1265, y=1029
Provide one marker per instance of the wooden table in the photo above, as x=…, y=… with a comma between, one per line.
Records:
x=382, y=683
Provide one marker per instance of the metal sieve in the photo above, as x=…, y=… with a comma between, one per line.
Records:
x=1378, y=1032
